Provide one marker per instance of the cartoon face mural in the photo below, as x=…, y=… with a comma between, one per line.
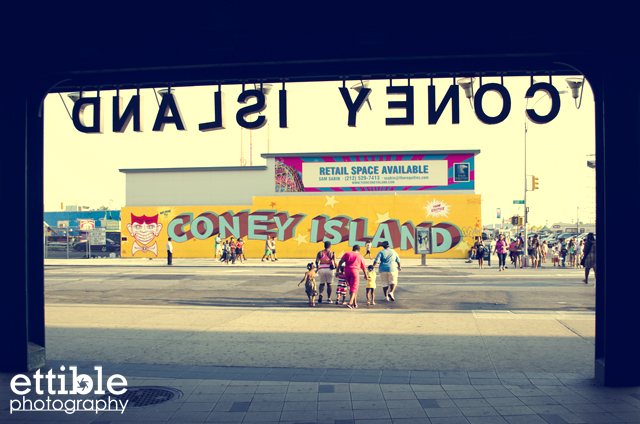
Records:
x=144, y=229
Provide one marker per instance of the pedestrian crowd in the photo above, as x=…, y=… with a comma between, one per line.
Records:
x=232, y=250
x=568, y=252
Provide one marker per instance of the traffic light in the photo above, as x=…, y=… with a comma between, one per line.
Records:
x=521, y=220
x=534, y=183
x=514, y=220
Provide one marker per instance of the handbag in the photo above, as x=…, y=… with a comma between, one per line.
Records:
x=331, y=266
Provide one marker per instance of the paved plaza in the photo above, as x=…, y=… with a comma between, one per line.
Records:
x=294, y=364
x=208, y=394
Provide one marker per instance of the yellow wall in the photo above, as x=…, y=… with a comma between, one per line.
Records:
x=343, y=218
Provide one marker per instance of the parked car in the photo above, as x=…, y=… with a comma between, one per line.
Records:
x=551, y=240
x=110, y=246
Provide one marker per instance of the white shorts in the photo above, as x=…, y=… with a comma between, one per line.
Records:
x=325, y=276
x=388, y=278
x=219, y=250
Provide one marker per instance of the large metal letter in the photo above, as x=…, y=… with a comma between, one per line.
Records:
x=354, y=107
x=261, y=105
x=134, y=109
x=220, y=115
x=407, y=104
x=552, y=92
x=169, y=104
x=506, y=103
x=452, y=94
x=283, y=108
x=78, y=115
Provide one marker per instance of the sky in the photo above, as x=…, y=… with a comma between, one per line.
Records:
x=83, y=168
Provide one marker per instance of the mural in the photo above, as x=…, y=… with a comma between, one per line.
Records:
x=301, y=223
x=86, y=224
x=144, y=230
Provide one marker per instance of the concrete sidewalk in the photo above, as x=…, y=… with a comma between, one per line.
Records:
x=203, y=394
x=334, y=337
x=287, y=336
x=332, y=365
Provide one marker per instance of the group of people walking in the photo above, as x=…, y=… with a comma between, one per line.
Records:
x=347, y=271
x=571, y=251
x=233, y=249
x=577, y=253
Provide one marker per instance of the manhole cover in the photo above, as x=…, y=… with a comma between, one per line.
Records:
x=140, y=396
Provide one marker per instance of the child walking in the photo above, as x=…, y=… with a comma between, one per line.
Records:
x=341, y=291
x=225, y=251
x=371, y=285
x=555, y=256
x=310, y=286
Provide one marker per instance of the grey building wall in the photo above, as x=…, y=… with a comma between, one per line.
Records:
x=196, y=186
x=220, y=186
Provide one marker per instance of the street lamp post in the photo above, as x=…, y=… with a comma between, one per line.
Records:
x=578, y=220
x=526, y=209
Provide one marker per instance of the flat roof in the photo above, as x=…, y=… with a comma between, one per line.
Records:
x=214, y=168
x=302, y=155
x=386, y=153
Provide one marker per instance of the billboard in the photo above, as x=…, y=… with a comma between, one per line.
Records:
x=87, y=224
x=300, y=224
x=374, y=173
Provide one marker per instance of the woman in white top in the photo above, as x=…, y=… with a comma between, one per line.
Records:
x=579, y=247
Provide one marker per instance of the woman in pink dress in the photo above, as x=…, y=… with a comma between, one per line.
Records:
x=354, y=262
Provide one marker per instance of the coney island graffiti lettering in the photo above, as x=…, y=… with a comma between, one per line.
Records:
x=260, y=224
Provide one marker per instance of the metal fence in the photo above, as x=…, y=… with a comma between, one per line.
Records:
x=71, y=243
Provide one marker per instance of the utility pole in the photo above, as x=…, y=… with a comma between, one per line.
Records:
x=526, y=209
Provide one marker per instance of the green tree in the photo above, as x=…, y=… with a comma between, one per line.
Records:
x=103, y=208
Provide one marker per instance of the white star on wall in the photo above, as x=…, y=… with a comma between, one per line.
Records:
x=331, y=200
x=463, y=246
x=382, y=217
x=301, y=239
